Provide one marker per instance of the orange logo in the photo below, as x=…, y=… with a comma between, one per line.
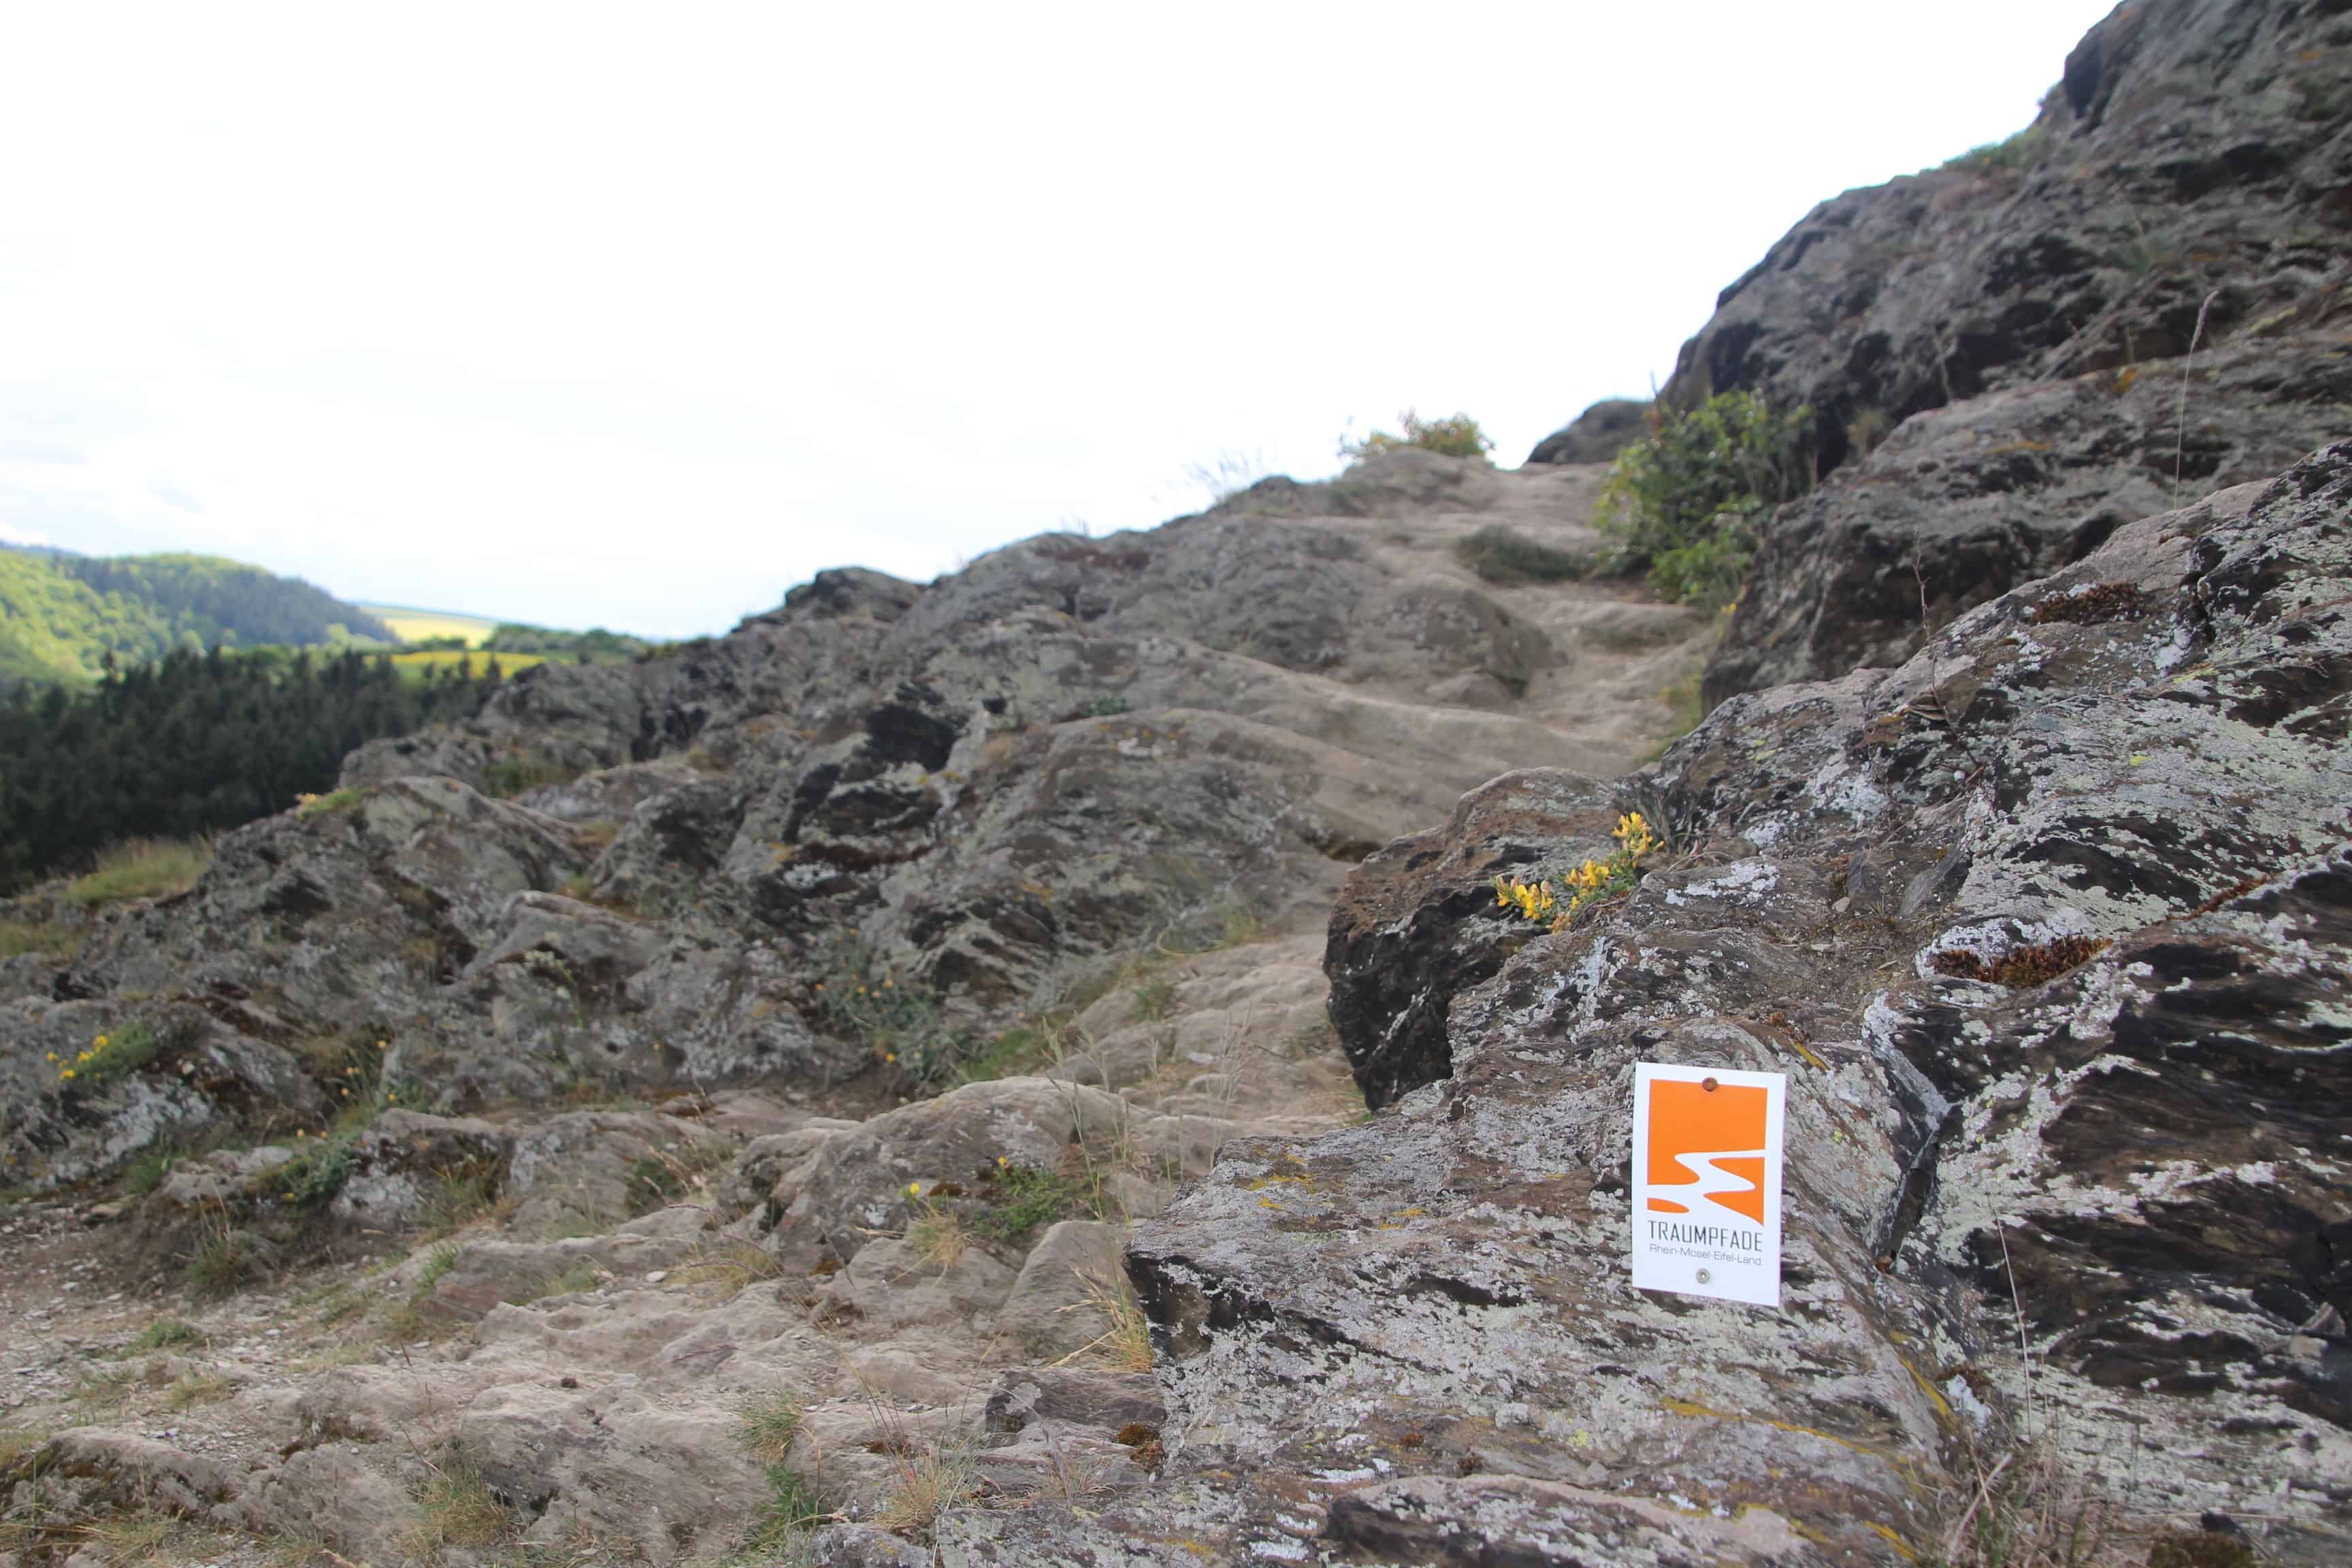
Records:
x=1707, y=1145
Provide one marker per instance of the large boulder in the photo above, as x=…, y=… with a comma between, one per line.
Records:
x=1596, y=435
x=2186, y=183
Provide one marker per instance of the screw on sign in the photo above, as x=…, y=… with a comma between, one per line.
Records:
x=1707, y=1181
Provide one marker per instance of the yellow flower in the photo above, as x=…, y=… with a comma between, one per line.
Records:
x=100, y=1042
x=67, y=1073
x=347, y=1092
x=914, y=1189
x=889, y=1055
x=1003, y=1159
x=299, y=1133
x=53, y=1056
x=381, y=1046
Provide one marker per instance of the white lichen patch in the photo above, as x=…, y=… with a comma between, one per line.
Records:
x=1745, y=882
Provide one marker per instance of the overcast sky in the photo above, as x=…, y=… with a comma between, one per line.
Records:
x=638, y=317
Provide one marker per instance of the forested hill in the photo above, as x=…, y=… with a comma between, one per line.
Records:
x=61, y=614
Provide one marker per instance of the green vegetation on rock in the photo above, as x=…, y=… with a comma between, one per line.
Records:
x=1682, y=504
x=1455, y=435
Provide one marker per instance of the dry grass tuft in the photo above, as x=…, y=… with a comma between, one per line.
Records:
x=1125, y=1345
x=2030, y=1508
x=926, y=1485
x=198, y=1388
x=937, y=1236
x=767, y=1428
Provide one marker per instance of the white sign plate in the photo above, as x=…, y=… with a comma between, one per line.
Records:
x=1707, y=1181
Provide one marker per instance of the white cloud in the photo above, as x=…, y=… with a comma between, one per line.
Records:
x=638, y=317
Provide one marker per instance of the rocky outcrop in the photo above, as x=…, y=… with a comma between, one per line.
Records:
x=974, y=790
x=1596, y=435
x=2046, y=928
x=2190, y=180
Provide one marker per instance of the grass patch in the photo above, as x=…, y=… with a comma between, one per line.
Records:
x=45, y=938
x=924, y=1486
x=778, y=1535
x=166, y=1333
x=1021, y=1199
x=2021, y=150
x=198, y=1388
x=1154, y=997
x=146, y=1173
x=660, y=1177
x=1510, y=559
x=460, y=1197
x=146, y=1539
x=314, y=1175
x=579, y=1278
x=219, y=1263
x=732, y=1265
x=937, y=1234
x=1125, y=1345
x=457, y=1507
x=767, y=1428
x=337, y=800
x=437, y=1262
x=141, y=869
x=518, y=771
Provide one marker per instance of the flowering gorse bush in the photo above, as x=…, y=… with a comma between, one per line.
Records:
x=109, y=1057
x=1593, y=880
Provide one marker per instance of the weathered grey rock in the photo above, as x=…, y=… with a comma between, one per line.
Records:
x=2185, y=181
x=1596, y=435
x=1961, y=503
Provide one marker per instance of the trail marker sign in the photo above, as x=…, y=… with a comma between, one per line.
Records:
x=1707, y=1181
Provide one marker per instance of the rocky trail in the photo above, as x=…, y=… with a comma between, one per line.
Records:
x=1033, y=1070
x=583, y=1276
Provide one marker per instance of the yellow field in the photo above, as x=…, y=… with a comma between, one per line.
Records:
x=418, y=626
x=443, y=659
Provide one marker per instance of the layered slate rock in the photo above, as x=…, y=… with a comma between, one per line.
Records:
x=2187, y=182
x=2046, y=929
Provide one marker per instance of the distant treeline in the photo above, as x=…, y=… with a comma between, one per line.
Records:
x=61, y=613
x=195, y=744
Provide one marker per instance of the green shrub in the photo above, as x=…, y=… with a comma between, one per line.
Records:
x=114, y=1055
x=1021, y=1199
x=2021, y=150
x=1682, y=503
x=863, y=1000
x=1509, y=558
x=518, y=771
x=220, y=1261
x=1457, y=436
x=315, y=1174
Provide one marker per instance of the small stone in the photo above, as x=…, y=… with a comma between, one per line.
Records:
x=655, y=1276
